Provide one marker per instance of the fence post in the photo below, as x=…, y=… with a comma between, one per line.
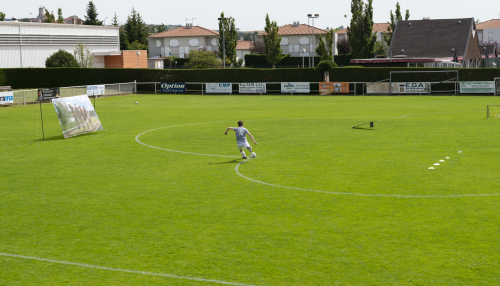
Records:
x=202, y=89
x=119, y=85
x=72, y=91
x=155, y=87
x=24, y=97
x=135, y=83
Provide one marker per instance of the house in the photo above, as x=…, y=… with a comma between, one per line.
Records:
x=429, y=42
x=489, y=31
x=296, y=36
x=74, y=20
x=121, y=59
x=25, y=44
x=242, y=49
x=178, y=42
x=379, y=28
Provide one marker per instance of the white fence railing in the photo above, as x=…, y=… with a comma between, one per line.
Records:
x=31, y=95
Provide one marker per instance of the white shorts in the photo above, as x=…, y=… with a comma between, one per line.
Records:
x=243, y=146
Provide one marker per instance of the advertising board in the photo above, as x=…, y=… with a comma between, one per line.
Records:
x=48, y=93
x=253, y=87
x=219, y=88
x=173, y=87
x=95, y=90
x=7, y=97
x=414, y=87
x=295, y=87
x=333, y=87
x=477, y=87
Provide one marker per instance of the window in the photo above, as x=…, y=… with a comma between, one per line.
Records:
x=480, y=37
x=158, y=43
x=304, y=41
x=490, y=36
x=284, y=41
x=174, y=43
x=194, y=42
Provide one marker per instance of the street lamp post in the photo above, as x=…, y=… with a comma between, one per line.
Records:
x=303, y=51
x=104, y=22
x=138, y=53
x=310, y=16
x=223, y=41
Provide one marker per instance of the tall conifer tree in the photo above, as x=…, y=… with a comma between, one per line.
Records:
x=272, y=40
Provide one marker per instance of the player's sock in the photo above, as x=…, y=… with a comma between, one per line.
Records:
x=243, y=153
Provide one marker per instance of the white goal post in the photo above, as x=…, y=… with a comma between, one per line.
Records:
x=497, y=86
x=492, y=111
x=452, y=79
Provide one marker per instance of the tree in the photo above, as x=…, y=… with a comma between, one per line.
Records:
x=330, y=35
x=137, y=30
x=2, y=16
x=272, y=40
x=84, y=56
x=380, y=48
x=61, y=59
x=124, y=43
x=136, y=46
x=155, y=29
x=49, y=17
x=247, y=37
x=91, y=17
x=60, y=18
x=115, y=21
x=228, y=38
x=360, y=33
x=393, y=22
x=344, y=47
x=322, y=51
x=202, y=60
x=257, y=47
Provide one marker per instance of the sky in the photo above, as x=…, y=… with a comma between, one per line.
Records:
x=250, y=15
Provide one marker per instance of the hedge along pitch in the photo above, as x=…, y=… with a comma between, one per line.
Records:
x=260, y=60
x=57, y=77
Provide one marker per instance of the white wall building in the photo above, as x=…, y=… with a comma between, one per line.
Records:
x=488, y=32
x=24, y=45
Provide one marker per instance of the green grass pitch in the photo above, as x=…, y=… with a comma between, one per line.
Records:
x=322, y=204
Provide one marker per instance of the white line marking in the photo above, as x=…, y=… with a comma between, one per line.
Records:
x=124, y=270
x=300, y=189
x=236, y=169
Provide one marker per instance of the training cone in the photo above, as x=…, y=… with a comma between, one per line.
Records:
x=441, y=160
x=437, y=164
x=448, y=158
x=432, y=168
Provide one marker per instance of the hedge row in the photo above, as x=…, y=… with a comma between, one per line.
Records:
x=57, y=77
x=260, y=60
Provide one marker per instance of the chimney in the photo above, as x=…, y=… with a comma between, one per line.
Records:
x=242, y=38
x=73, y=20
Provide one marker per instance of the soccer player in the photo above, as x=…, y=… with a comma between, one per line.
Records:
x=241, y=138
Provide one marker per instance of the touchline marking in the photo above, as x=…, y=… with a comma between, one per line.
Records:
x=125, y=270
x=236, y=169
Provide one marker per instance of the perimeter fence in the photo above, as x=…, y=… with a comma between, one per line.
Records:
x=29, y=96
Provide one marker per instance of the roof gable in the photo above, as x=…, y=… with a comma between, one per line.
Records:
x=491, y=24
x=301, y=29
x=195, y=31
x=432, y=38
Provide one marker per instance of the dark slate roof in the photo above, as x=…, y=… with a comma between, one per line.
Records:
x=431, y=38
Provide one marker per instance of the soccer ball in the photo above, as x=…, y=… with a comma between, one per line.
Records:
x=137, y=103
x=253, y=155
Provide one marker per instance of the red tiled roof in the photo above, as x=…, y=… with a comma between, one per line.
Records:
x=195, y=31
x=491, y=24
x=377, y=27
x=302, y=29
x=243, y=45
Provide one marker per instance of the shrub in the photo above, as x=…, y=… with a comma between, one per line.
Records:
x=326, y=65
x=202, y=60
x=61, y=59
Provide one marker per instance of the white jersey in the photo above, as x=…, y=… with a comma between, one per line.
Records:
x=241, y=134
